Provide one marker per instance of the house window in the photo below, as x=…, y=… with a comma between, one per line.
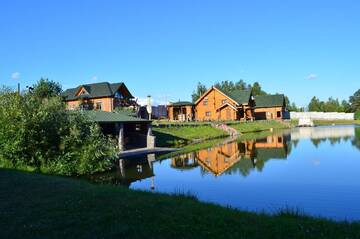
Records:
x=223, y=102
x=98, y=106
x=278, y=114
x=206, y=101
x=208, y=113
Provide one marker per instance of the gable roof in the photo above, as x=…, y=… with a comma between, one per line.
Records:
x=240, y=97
x=269, y=101
x=96, y=90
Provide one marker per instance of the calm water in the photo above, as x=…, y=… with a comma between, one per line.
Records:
x=315, y=170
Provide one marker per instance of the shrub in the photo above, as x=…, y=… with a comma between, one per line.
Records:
x=39, y=133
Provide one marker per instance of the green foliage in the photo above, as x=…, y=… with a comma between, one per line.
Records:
x=227, y=86
x=357, y=115
x=354, y=101
x=200, y=90
x=256, y=89
x=46, y=88
x=38, y=132
x=331, y=105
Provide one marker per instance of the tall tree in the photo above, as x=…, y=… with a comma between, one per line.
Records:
x=355, y=101
x=46, y=88
x=315, y=105
x=256, y=89
x=200, y=90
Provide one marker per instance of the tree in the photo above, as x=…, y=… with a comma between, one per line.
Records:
x=200, y=90
x=227, y=86
x=315, y=105
x=354, y=101
x=46, y=88
x=256, y=89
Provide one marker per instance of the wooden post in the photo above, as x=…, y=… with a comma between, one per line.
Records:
x=120, y=127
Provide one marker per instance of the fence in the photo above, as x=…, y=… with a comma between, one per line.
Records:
x=322, y=115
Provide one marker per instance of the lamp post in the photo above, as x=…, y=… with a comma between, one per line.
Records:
x=148, y=106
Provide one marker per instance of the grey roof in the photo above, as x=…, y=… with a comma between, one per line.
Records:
x=96, y=90
x=269, y=101
x=112, y=117
x=240, y=96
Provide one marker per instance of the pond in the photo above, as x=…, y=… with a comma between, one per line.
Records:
x=313, y=170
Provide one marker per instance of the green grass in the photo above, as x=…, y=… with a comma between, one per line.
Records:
x=181, y=135
x=40, y=206
x=336, y=122
x=256, y=126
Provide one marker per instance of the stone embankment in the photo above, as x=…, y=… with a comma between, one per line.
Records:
x=231, y=131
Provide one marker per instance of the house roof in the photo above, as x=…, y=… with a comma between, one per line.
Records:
x=112, y=117
x=240, y=96
x=181, y=103
x=96, y=90
x=269, y=101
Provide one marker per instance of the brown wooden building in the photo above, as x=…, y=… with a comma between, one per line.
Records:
x=181, y=111
x=99, y=96
x=215, y=105
x=270, y=107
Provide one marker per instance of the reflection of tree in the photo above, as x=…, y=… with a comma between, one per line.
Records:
x=317, y=142
x=356, y=140
x=295, y=142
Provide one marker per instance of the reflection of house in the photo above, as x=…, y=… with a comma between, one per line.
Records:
x=220, y=158
x=235, y=157
x=270, y=107
x=181, y=111
x=217, y=105
x=99, y=96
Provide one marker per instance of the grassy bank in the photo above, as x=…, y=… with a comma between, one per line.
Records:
x=39, y=206
x=181, y=135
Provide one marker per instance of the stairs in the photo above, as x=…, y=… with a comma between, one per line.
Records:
x=229, y=130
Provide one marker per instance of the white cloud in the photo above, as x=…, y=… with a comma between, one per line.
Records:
x=312, y=76
x=94, y=79
x=15, y=76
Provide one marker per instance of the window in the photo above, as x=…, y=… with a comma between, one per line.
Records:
x=206, y=101
x=208, y=113
x=223, y=102
x=98, y=106
x=278, y=114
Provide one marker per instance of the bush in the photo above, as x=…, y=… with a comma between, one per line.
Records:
x=357, y=115
x=39, y=133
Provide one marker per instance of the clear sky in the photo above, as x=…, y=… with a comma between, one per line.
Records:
x=163, y=48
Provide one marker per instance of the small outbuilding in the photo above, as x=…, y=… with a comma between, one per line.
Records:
x=270, y=107
x=181, y=111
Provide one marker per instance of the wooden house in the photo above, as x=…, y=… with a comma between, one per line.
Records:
x=215, y=105
x=99, y=96
x=270, y=107
x=181, y=111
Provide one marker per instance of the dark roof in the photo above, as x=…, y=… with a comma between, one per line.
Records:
x=271, y=153
x=181, y=103
x=96, y=90
x=111, y=117
x=269, y=101
x=240, y=96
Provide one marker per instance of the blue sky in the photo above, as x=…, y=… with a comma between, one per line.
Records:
x=163, y=48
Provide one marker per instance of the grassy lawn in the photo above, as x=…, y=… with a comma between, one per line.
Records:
x=255, y=126
x=178, y=136
x=40, y=206
x=336, y=122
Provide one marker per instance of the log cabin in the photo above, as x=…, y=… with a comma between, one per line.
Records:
x=215, y=105
x=181, y=111
x=103, y=96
